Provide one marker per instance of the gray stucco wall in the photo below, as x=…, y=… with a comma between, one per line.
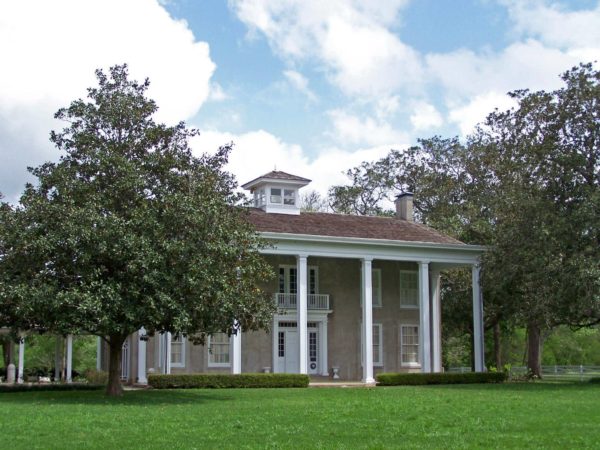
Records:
x=340, y=278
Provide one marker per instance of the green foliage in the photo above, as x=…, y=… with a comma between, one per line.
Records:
x=55, y=387
x=94, y=376
x=128, y=230
x=526, y=185
x=40, y=351
x=595, y=380
x=566, y=347
x=246, y=380
x=405, y=379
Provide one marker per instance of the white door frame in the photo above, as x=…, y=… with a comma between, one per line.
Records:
x=321, y=319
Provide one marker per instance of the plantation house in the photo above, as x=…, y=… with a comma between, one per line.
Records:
x=355, y=295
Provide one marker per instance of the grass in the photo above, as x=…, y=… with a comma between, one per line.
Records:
x=468, y=416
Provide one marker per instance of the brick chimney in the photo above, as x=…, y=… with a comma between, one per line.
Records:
x=404, y=206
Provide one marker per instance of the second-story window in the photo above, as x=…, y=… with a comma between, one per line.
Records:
x=289, y=197
x=275, y=195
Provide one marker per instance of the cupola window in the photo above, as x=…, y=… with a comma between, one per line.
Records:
x=275, y=195
x=259, y=198
x=289, y=197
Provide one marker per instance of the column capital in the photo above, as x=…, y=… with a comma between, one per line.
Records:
x=366, y=259
x=424, y=263
x=301, y=256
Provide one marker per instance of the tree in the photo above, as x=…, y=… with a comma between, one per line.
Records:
x=546, y=249
x=526, y=184
x=130, y=230
x=312, y=201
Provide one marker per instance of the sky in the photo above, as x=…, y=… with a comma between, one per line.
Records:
x=310, y=87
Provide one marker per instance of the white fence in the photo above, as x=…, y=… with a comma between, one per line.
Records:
x=559, y=373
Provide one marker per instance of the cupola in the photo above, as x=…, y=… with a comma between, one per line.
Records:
x=277, y=192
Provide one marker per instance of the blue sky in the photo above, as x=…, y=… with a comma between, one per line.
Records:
x=312, y=87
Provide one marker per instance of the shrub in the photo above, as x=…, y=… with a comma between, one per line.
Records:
x=94, y=376
x=595, y=380
x=397, y=379
x=5, y=388
x=245, y=380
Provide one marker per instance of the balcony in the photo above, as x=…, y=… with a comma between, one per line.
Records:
x=315, y=301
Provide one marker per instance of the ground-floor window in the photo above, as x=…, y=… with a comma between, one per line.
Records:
x=377, y=344
x=409, y=345
x=177, y=351
x=218, y=350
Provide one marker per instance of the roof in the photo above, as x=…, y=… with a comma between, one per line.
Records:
x=342, y=225
x=276, y=175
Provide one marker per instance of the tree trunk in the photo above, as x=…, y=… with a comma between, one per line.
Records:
x=534, y=350
x=497, y=346
x=115, y=346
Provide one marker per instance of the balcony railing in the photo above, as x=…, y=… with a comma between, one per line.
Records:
x=289, y=301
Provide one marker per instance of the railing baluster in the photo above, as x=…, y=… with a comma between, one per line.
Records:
x=289, y=301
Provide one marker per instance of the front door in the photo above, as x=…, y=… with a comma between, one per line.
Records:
x=288, y=351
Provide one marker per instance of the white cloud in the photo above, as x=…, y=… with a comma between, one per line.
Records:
x=365, y=58
x=355, y=130
x=476, y=110
x=259, y=152
x=555, y=25
x=350, y=37
x=217, y=94
x=425, y=116
x=386, y=106
x=300, y=83
x=49, y=53
x=474, y=84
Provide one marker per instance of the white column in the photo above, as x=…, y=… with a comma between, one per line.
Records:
x=275, y=368
x=436, y=321
x=477, y=320
x=323, y=347
x=57, y=358
x=99, y=353
x=367, y=320
x=21, y=359
x=424, y=332
x=302, y=312
x=167, y=353
x=236, y=366
x=69, y=358
x=141, y=362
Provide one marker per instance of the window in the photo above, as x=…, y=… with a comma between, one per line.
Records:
x=287, y=280
x=376, y=283
x=409, y=289
x=259, y=197
x=409, y=345
x=281, y=344
x=177, y=351
x=275, y=195
x=377, y=344
x=313, y=280
x=289, y=197
x=218, y=350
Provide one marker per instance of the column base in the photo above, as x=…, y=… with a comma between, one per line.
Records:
x=369, y=381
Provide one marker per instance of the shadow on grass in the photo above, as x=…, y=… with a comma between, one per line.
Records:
x=141, y=397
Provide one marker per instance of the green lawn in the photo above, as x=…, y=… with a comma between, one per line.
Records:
x=482, y=416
